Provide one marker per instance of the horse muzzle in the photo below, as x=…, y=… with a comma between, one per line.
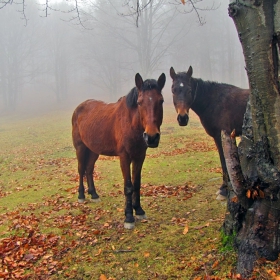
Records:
x=151, y=141
x=183, y=120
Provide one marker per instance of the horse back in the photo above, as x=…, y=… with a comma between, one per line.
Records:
x=225, y=109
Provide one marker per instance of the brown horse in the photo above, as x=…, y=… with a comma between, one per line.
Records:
x=219, y=107
x=125, y=129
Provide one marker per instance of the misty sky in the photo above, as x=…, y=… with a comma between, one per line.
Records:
x=95, y=51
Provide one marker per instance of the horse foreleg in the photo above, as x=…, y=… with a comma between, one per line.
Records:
x=223, y=189
x=129, y=221
x=136, y=179
x=92, y=157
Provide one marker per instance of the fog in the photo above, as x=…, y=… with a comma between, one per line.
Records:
x=59, y=60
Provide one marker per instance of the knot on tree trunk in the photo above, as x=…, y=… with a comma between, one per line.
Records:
x=233, y=10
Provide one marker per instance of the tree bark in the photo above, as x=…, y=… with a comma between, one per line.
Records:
x=254, y=202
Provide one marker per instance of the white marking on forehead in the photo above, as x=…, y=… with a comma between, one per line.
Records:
x=181, y=85
x=150, y=98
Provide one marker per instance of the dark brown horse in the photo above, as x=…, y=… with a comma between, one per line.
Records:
x=125, y=129
x=219, y=107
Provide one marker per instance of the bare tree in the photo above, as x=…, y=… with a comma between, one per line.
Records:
x=17, y=48
x=114, y=47
x=59, y=52
x=145, y=31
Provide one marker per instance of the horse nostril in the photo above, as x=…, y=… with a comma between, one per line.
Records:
x=155, y=138
x=183, y=120
x=151, y=141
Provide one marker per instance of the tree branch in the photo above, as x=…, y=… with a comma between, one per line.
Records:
x=233, y=164
x=5, y=3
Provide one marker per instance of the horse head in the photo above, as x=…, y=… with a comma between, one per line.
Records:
x=149, y=104
x=182, y=94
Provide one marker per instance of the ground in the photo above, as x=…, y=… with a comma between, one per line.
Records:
x=46, y=234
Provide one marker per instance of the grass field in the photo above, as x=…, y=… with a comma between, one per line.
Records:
x=46, y=234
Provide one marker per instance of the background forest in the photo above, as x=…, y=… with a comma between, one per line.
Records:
x=66, y=57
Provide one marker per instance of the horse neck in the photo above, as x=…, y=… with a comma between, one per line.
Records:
x=200, y=96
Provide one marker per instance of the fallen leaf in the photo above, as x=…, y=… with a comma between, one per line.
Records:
x=248, y=193
x=102, y=277
x=261, y=194
x=186, y=229
x=99, y=252
x=201, y=227
x=215, y=264
x=96, y=232
x=255, y=194
x=146, y=254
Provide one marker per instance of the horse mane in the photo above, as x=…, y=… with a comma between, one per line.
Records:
x=202, y=84
x=207, y=86
x=132, y=96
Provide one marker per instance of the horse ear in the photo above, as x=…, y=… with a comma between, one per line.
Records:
x=161, y=81
x=190, y=71
x=139, y=81
x=172, y=73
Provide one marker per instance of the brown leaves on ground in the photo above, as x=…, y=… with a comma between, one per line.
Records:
x=27, y=253
x=180, y=192
x=2, y=194
x=19, y=254
x=203, y=146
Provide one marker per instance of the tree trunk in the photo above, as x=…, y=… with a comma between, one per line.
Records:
x=254, y=202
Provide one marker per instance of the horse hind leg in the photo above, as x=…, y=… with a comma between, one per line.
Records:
x=92, y=158
x=81, y=151
x=223, y=191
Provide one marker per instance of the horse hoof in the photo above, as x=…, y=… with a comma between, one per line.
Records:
x=129, y=225
x=95, y=200
x=141, y=217
x=220, y=197
x=81, y=200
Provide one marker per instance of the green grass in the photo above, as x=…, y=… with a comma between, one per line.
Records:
x=38, y=202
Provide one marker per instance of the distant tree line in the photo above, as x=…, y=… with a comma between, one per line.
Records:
x=94, y=50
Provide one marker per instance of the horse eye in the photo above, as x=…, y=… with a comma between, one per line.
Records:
x=161, y=101
x=138, y=103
